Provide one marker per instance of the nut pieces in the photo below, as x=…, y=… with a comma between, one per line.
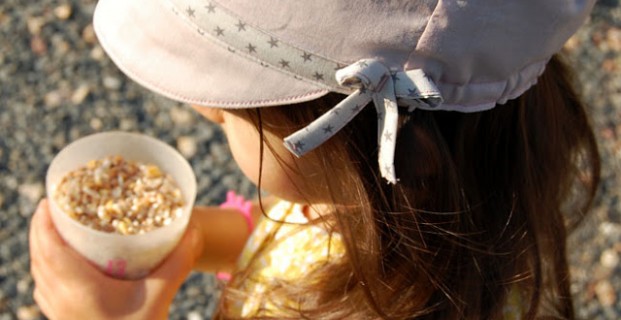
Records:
x=117, y=195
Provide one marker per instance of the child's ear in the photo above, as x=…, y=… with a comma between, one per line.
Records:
x=215, y=115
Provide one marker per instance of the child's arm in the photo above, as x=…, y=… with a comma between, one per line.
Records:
x=224, y=232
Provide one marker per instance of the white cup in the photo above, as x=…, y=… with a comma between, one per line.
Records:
x=122, y=256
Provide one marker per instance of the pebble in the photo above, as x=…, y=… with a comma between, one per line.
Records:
x=613, y=37
x=127, y=124
x=31, y=312
x=112, y=83
x=609, y=258
x=609, y=228
x=96, y=124
x=88, y=34
x=98, y=54
x=610, y=65
x=11, y=183
x=38, y=46
x=193, y=292
x=194, y=315
x=63, y=12
x=605, y=293
x=80, y=93
x=35, y=24
x=53, y=99
x=31, y=191
x=23, y=285
x=61, y=46
x=182, y=116
x=187, y=146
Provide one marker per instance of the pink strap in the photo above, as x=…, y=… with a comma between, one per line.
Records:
x=224, y=276
x=234, y=201
x=244, y=207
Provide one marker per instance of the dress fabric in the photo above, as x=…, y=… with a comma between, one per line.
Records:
x=289, y=249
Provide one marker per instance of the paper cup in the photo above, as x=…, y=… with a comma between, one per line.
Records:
x=122, y=256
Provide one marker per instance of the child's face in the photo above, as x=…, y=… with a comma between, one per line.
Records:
x=284, y=175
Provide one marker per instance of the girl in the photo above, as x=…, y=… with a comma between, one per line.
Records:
x=389, y=203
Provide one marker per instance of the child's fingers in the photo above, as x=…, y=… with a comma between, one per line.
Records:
x=46, y=241
x=37, y=254
x=178, y=264
x=44, y=303
x=40, y=261
x=45, y=279
x=41, y=301
x=50, y=256
x=45, y=224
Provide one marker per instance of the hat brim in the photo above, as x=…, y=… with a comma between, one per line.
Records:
x=155, y=48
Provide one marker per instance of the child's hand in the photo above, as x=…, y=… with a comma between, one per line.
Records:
x=67, y=286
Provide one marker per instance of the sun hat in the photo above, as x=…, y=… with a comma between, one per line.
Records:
x=458, y=55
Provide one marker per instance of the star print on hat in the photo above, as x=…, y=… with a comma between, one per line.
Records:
x=457, y=55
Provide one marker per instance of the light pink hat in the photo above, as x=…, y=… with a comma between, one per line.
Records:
x=461, y=55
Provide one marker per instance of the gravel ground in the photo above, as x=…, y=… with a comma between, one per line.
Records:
x=57, y=85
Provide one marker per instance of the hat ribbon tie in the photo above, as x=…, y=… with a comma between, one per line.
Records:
x=372, y=81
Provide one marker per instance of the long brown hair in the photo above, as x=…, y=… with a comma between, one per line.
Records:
x=478, y=219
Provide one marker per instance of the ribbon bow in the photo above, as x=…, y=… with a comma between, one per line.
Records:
x=373, y=81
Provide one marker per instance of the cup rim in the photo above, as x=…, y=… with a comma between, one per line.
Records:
x=174, y=153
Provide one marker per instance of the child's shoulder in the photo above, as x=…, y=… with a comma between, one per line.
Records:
x=285, y=233
x=282, y=211
x=285, y=246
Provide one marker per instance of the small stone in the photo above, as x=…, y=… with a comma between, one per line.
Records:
x=63, y=12
x=111, y=83
x=96, y=124
x=613, y=37
x=187, y=146
x=5, y=19
x=609, y=229
x=181, y=116
x=35, y=24
x=23, y=285
x=194, y=315
x=597, y=38
x=88, y=34
x=192, y=292
x=80, y=94
x=31, y=191
x=609, y=258
x=605, y=293
x=53, y=99
x=98, y=53
x=11, y=183
x=61, y=46
x=126, y=124
x=610, y=65
x=38, y=46
x=28, y=312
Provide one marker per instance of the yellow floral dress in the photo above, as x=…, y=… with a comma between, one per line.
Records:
x=296, y=248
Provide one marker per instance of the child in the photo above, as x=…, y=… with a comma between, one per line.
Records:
x=391, y=205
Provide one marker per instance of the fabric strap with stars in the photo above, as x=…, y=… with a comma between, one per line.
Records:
x=374, y=82
x=364, y=81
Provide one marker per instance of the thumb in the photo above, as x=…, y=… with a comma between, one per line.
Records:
x=173, y=271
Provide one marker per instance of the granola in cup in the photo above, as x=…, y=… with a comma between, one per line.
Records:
x=122, y=200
